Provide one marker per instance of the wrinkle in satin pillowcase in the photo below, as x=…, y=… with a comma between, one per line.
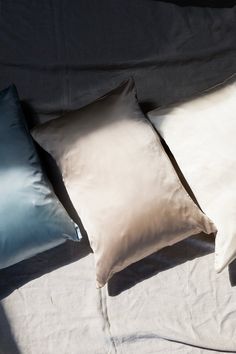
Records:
x=120, y=181
x=201, y=134
x=32, y=219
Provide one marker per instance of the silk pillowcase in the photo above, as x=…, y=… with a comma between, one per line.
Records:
x=201, y=134
x=32, y=219
x=120, y=181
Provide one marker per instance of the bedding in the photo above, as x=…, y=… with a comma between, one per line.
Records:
x=206, y=157
x=120, y=181
x=31, y=218
x=62, y=55
x=171, y=302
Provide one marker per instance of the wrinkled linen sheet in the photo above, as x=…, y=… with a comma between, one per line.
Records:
x=170, y=302
x=61, y=55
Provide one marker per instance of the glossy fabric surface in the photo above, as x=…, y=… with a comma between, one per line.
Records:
x=31, y=218
x=201, y=135
x=120, y=181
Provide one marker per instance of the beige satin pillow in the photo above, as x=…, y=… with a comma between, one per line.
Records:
x=201, y=134
x=120, y=181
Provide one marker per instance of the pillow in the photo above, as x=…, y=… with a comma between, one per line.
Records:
x=32, y=219
x=201, y=134
x=120, y=181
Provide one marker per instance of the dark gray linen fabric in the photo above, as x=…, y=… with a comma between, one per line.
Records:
x=62, y=55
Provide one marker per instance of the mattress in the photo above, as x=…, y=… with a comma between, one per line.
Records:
x=62, y=55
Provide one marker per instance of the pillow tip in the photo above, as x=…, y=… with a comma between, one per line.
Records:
x=219, y=267
x=78, y=232
x=99, y=285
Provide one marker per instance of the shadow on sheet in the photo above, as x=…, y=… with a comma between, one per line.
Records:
x=7, y=341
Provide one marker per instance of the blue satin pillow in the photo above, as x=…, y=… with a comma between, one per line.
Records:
x=32, y=219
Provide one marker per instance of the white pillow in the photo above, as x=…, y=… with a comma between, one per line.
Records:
x=201, y=134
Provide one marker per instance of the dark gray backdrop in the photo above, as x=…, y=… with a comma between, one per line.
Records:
x=62, y=54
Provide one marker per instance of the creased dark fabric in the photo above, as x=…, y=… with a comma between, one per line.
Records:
x=62, y=55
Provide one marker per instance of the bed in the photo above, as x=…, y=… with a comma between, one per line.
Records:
x=62, y=55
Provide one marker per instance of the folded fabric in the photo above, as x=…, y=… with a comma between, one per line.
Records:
x=201, y=135
x=120, y=181
x=32, y=219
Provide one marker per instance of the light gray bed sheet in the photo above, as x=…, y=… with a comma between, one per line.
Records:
x=170, y=302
